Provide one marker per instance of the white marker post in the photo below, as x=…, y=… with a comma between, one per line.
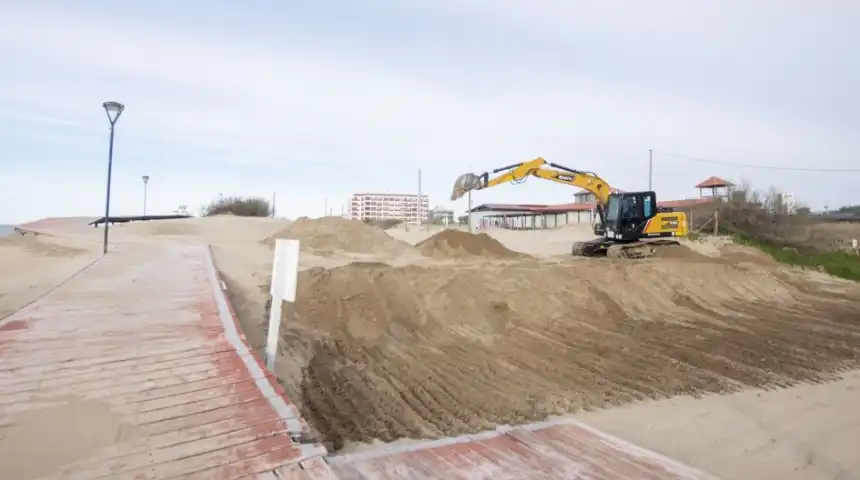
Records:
x=285, y=270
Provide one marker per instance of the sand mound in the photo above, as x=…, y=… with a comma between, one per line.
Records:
x=39, y=245
x=414, y=351
x=169, y=227
x=59, y=225
x=330, y=234
x=369, y=300
x=456, y=243
x=681, y=252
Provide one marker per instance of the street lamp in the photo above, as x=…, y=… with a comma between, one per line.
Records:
x=145, y=179
x=113, y=110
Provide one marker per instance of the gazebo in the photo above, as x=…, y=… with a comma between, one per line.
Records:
x=717, y=186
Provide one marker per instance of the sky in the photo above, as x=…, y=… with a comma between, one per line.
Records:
x=312, y=101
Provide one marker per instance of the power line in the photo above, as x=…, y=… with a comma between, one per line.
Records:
x=760, y=167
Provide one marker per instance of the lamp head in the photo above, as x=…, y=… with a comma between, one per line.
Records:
x=113, y=110
x=145, y=179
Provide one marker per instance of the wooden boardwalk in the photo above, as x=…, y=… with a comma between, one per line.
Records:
x=138, y=361
x=147, y=338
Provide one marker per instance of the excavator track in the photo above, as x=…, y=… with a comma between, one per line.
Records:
x=635, y=250
x=591, y=248
x=631, y=251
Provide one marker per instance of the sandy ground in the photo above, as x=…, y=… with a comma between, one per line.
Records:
x=711, y=354
x=32, y=265
x=37, y=444
x=806, y=432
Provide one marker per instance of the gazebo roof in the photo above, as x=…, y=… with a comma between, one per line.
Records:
x=714, y=182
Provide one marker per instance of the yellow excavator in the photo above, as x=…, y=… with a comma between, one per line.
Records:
x=629, y=224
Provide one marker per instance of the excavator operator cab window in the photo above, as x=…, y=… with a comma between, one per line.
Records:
x=612, y=210
x=631, y=207
x=647, y=206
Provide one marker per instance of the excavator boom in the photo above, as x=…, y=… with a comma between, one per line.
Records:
x=519, y=171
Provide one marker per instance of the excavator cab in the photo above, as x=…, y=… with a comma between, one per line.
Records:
x=632, y=216
x=631, y=227
x=627, y=214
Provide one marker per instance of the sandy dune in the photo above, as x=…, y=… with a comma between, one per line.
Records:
x=32, y=265
x=420, y=333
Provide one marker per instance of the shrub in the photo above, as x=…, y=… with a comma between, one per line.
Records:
x=797, y=238
x=764, y=219
x=239, y=206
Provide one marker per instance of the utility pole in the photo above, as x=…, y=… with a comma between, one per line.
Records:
x=274, y=196
x=469, y=212
x=650, y=168
x=420, y=200
x=325, y=208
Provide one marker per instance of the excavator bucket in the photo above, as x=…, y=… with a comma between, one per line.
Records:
x=465, y=183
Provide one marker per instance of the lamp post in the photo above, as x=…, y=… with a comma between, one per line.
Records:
x=113, y=111
x=145, y=179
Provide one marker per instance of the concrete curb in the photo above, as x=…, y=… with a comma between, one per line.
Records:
x=266, y=381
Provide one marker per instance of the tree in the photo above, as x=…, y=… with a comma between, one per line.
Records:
x=852, y=209
x=239, y=206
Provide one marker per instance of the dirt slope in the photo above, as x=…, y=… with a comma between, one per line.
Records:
x=414, y=351
x=39, y=245
x=330, y=234
x=32, y=265
x=456, y=243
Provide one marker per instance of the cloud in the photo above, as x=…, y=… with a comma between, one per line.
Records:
x=318, y=110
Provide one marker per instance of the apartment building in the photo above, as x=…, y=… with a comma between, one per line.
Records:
x=390, y=206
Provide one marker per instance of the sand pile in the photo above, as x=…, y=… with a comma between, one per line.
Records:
x=426, y=351
x=370, y=301
x=174, y=226
x=456, y=243
x=682, y=252
x=330, y=234
x=39, y=245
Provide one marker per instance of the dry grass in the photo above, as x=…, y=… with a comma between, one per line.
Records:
x=794, y=238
